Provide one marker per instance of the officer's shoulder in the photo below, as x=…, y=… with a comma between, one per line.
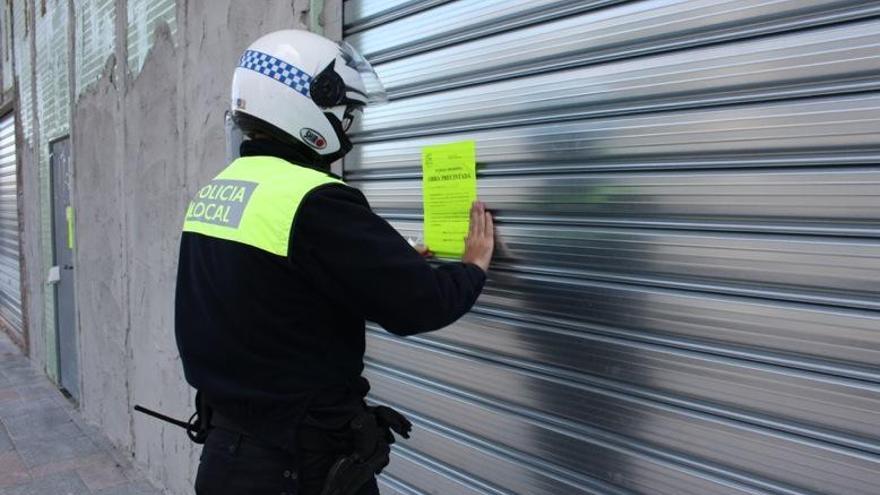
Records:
x=332, y=205
x=336, y=192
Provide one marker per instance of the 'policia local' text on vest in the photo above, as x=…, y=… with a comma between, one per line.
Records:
x=253, y=202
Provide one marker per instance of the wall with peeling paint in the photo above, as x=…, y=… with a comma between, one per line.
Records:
x=143, y=18
x=22, y=22
x=7, y=70
x=94, y=39
x=146, y=122
x=34, y=288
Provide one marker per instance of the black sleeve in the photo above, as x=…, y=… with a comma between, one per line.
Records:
x=374, y=269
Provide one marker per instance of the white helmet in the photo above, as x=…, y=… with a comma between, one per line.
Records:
x=299, y=87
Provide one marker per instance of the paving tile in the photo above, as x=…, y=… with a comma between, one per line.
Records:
x=13, y=360
x=11, y=409
x=18, y=375
x=131, y=472
x=51, y=422
x=7, y=346
x=12, y=470
x=45, y=446
x=102, y=475
x=93, y=432
x=65, y=466
x=8, y=394
x=13, y=375
x=39, y=390
x=123, y=461
x=42, y=451
x=55, y=484
x=10, y=360
x=136, y=488
x=12, y=357
x=5, y=441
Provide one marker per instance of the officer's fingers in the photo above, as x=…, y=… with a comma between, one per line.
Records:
x=485, y=224
x=489, y=226
x=473, y=223
x=480, y=227
x=474, y=228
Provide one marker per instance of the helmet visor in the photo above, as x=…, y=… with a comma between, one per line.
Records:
x=373, y=90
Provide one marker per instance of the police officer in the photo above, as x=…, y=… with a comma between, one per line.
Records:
x=280, y=265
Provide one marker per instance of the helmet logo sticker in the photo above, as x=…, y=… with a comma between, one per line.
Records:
x=313, y=138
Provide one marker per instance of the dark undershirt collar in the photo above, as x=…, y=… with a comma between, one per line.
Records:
x=268, y=147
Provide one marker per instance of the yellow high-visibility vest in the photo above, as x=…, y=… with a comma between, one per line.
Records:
x=253, y=202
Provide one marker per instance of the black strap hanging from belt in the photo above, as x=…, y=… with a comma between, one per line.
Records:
x=197, y=426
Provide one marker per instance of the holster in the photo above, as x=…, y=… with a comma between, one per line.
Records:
x=200, y=421
x=372, y=438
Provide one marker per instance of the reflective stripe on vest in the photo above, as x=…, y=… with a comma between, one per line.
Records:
x=253, y=201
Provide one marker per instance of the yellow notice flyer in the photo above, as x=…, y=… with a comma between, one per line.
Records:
x=449, y=187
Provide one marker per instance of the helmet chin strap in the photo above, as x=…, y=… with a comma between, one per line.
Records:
x=345, y=143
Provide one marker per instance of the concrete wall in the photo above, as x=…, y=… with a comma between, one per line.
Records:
x=33, y=286
x=144, y=135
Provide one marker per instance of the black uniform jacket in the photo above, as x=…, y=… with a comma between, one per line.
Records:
x=270, y=340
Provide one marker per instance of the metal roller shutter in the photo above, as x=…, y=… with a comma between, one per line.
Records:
x=10, y=268
x=688, y=194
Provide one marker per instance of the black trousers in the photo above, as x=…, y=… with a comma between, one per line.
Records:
x=235, y=464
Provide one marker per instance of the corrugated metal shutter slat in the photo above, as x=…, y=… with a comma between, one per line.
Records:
x=688, y=195
x=10, y=268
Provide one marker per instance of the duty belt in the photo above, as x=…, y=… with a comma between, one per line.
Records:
x=372, y=433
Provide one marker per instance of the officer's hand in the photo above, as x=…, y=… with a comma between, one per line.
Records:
x=480, y=242
x=424, y=251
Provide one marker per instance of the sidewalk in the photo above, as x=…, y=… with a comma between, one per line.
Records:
x=45, y=448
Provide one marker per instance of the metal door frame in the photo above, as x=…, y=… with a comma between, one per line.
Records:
x=56, y=323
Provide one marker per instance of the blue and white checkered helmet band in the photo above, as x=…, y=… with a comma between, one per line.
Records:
x=277, y=69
